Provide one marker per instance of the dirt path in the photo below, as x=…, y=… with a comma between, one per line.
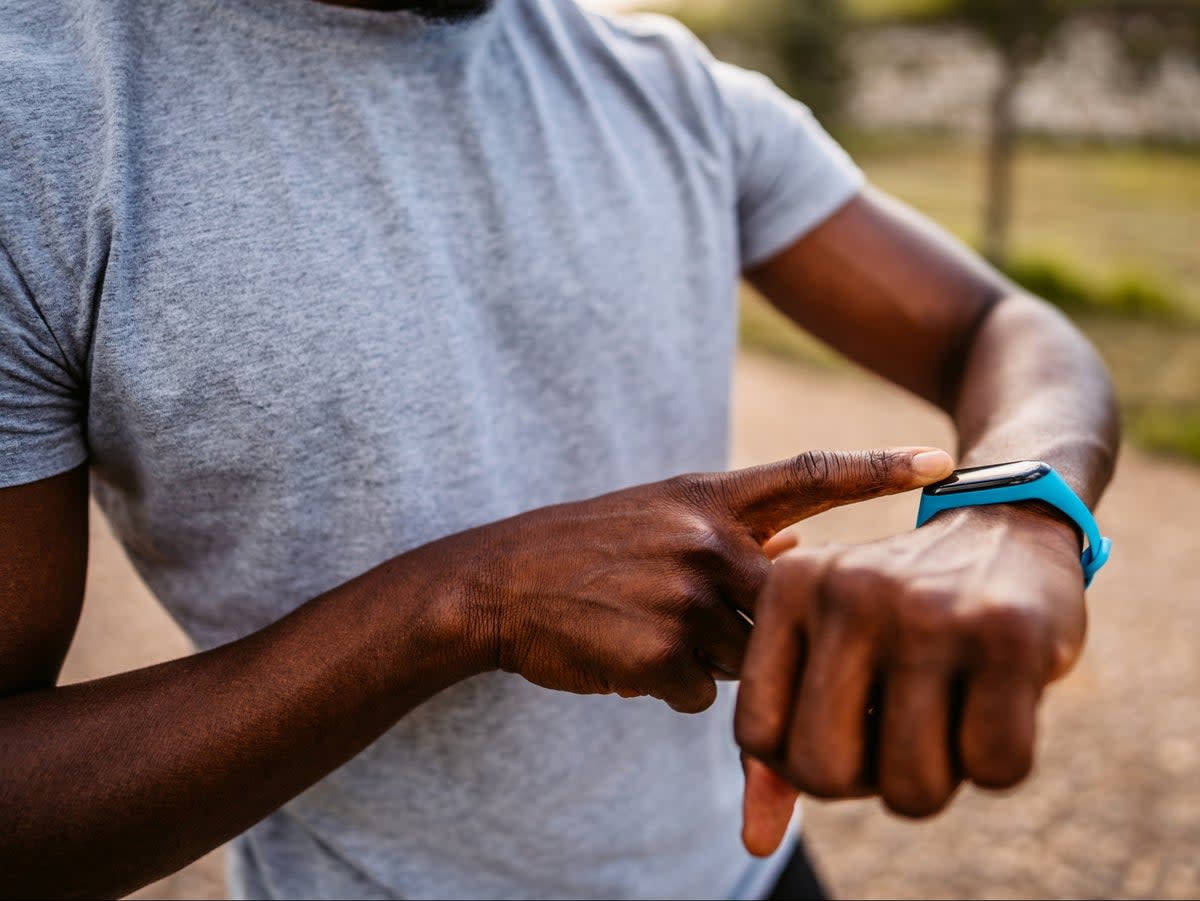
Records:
x=1114, y=807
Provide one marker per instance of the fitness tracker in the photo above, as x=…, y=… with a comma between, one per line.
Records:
x=1005, y=483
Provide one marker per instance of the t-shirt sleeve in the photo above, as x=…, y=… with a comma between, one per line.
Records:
x=41, y=411
x=791, y=175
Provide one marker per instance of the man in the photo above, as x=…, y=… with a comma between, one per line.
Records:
x=360, y=324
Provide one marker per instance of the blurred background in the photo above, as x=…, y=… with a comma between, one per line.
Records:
x=1062, y=139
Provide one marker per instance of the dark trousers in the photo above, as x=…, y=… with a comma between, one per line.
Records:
x=799, y=880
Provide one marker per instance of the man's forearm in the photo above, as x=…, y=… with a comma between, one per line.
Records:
x=175, y=759
x=112, y=783
x=951, y=631
x=1033, y=388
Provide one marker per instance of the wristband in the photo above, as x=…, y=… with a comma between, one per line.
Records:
x=1008, y=483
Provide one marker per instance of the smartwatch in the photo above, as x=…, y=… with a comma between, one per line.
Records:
x=1005, y=483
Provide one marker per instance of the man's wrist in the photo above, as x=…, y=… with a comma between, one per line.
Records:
x=1048, y=513
x=448, y=622
x=1050, y=525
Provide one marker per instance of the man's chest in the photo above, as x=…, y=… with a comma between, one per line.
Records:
x=378, y=278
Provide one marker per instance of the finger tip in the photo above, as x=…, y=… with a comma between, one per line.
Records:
x=931, y=464
x=758, y=845
x=781, y=543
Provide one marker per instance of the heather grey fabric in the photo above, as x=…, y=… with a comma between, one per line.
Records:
x=307, y=287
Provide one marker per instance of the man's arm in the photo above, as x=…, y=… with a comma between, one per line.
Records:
x=947, y=634
x=107, y=785
x=895, y=293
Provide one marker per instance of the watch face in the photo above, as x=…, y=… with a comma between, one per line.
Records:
x=981, y=478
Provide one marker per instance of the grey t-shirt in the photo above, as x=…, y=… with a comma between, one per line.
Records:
x=307, y=287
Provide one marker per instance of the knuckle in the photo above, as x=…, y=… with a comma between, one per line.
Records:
x=916, y=805
x=756, y=737
x=662, y=652
x=790, y=568
x=758, y=728
x=821, y=777
x=924, y=622
x=814, y=468
x=1001, y=771
x=916, y=791
x=1008, y=633
x=693, y=602
x=684, y=591
x=752, y=574
x=855, y=593
x=706, y=545
x=881, y=467
x=856, y=607
x=783, y=580
x=694, y=489
x=996, y=758
x=870, y=472
x=695, y=698
x=706, y=696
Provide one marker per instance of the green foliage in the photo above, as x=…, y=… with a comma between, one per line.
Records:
x=807, y=38
x=1099, y=215
x=1155, y=364
x=1020, y=33
x=798, y=44
x=1145, y=30
x=1053, y=281
x=1017, y=29
x=875, y=11
x=1167, y=430
x=882, y=11
x=1133, y=294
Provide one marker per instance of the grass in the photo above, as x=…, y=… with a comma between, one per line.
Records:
x=1132, y=295
x=872, y=11
x=1119, y=216
x=1110, y=234
x=1156, y=368
x=1155, y=365
x=1095, y=228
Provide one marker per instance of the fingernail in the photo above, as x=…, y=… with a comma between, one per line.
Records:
x=932, y=463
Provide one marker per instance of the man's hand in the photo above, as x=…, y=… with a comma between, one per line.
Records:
x=903, y=667
x=638, y=592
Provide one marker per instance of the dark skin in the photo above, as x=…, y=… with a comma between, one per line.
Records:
x=951, y=632
x=931, y=647
x=116, y=782
x=113, y=783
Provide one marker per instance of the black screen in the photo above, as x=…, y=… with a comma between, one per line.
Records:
x=978, y=478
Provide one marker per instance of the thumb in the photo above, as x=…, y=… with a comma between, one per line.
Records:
x=768, y=498
x=767, y=808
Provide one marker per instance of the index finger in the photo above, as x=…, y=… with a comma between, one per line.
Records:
x=768, y=498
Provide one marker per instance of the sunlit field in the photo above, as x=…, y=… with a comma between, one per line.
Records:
x=1108, y=213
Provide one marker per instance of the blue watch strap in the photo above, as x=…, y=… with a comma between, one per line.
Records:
x=1051, y=489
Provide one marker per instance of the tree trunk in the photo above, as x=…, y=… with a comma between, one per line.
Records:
x=1002, y=135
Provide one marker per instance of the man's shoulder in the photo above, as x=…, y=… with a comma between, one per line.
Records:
x=643, y=25
x=640, y=34
x=654, y=56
